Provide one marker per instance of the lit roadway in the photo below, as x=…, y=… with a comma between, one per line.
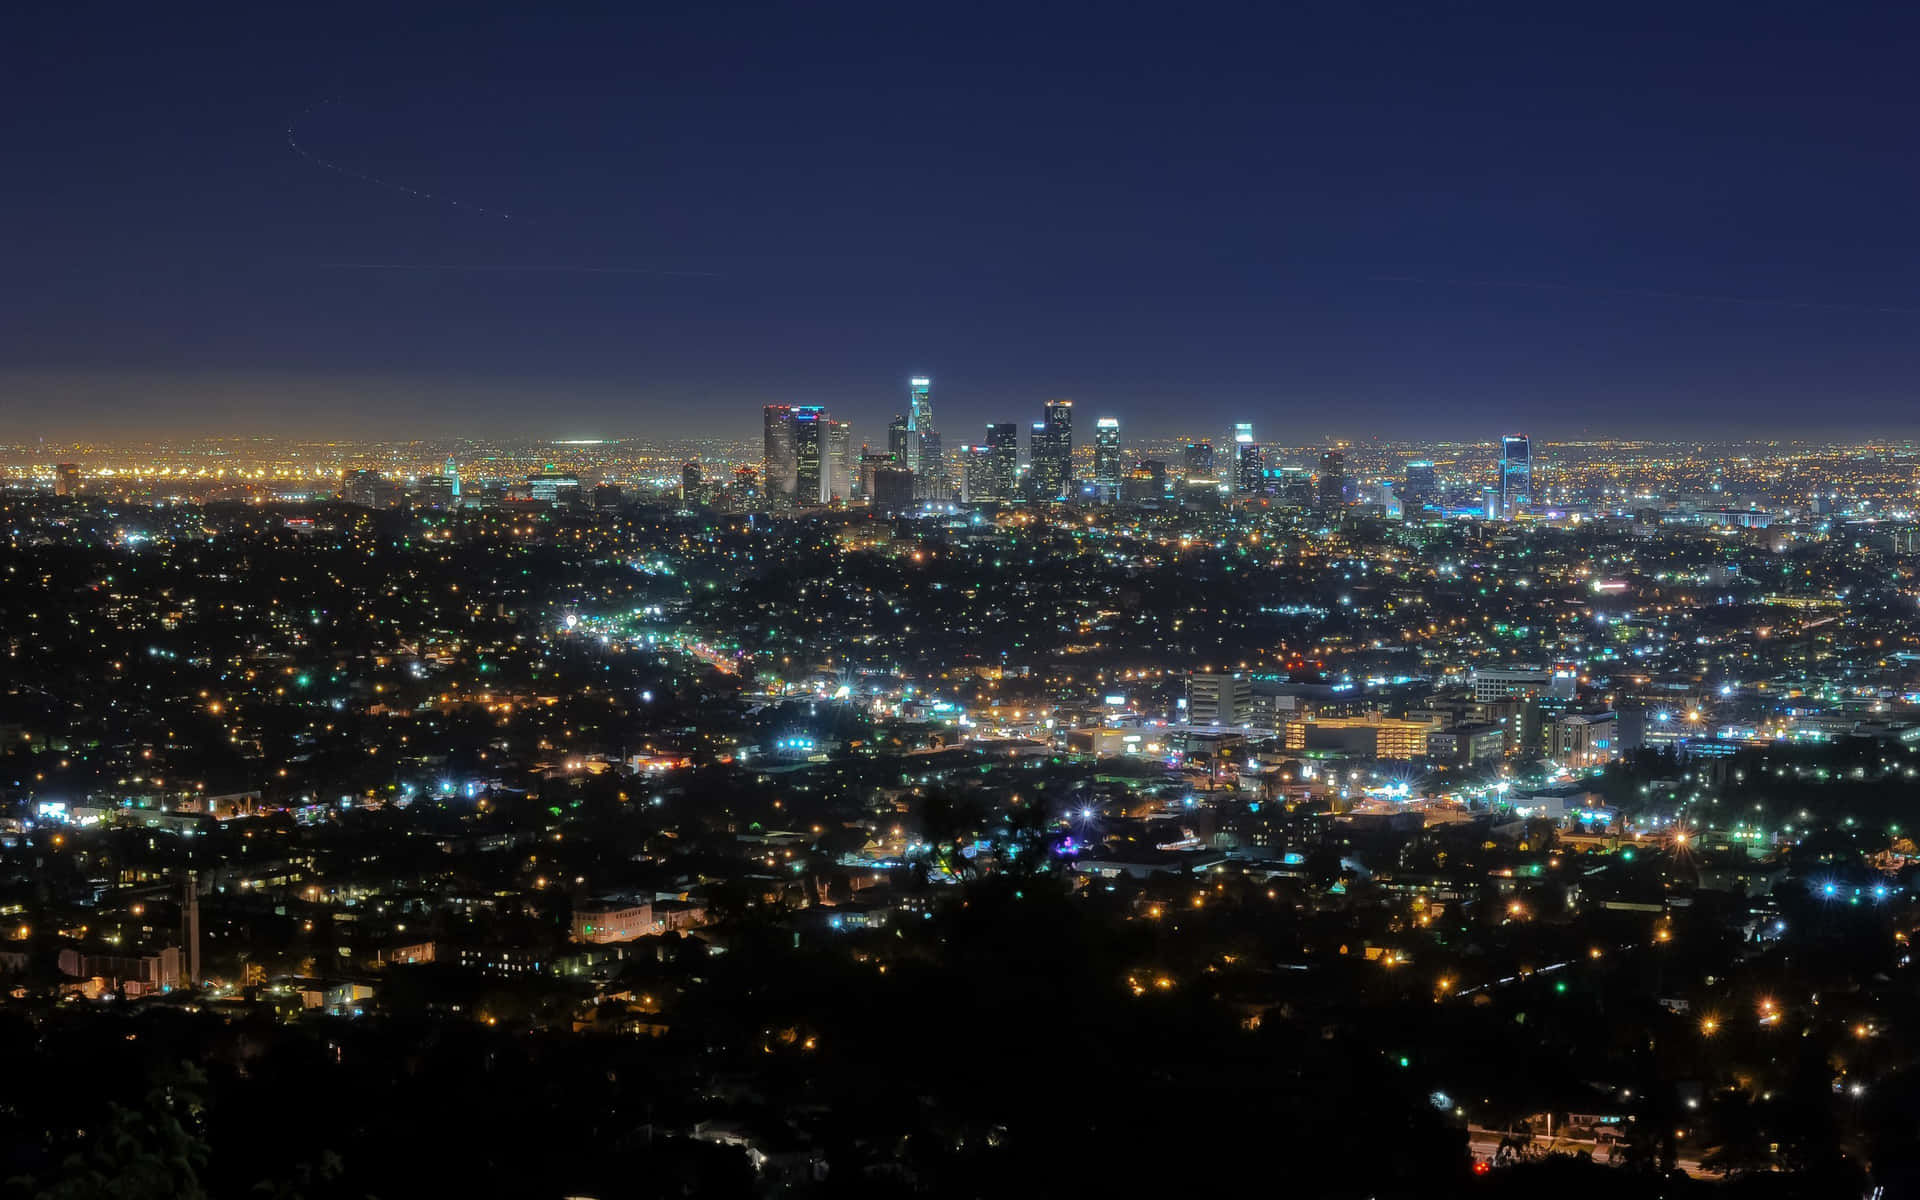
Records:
x=1484, y=1142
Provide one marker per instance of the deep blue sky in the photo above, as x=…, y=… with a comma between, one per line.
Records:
x=1340, y=218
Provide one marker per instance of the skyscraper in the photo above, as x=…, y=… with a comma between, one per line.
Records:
x=690, y=483
x=1003, y=446
x=1516, y=473
x=1106, y=456
x=933, y=481
x=452, y=473
x=1248, y=461
x=919, y=419
x=809, y=455
x=892, y=490
x=66, y=479
x=1052, y=451
x=1333, y=481
x=1199, y=460
x=897, y=439
x=1419, y=488
x=868, y=465
x=836, y=482
x=779, y=456
x=976, y=474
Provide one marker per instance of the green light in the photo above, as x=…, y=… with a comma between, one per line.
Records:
x=1405, y=1061
x=1561, y=986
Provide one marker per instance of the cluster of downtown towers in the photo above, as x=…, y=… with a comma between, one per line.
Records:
x=809, y=461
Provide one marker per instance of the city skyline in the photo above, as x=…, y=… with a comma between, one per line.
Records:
x=589, y=224
x=860, y=601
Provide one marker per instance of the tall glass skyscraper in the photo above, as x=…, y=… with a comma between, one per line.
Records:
x=1199, y=460
x=836, y=478
x=919, y=417
x=897, y=439
x=1106, y=455
x=794, y=454
x=809, y=454
x=1003, y=452
x=1333, y=481
x=1052, y=451
x=778, y=457
x=1516, y=473
x=1248, y=461
x=1419, y=488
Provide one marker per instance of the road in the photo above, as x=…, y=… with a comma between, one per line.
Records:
x=1484, y=1142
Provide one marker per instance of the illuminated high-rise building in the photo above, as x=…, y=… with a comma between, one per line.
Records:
x=1052, y=451
x=836, y=482
x=809, y=455
x=870, y=463
x=452, y=473
x=1106, y=456
x=892, y=490
x=977, y=482
x=1418, y=488
x=690, y=483
x=1333, y=481
x=919, y=420
x=1516, y=473
x=66, y=479
x=1248, y=461
x=934, y=480
x=1003, y=447
x=780, y=458
x=1199, y=460
x=897, y=439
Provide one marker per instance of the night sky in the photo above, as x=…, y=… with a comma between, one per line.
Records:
x=1331, y=219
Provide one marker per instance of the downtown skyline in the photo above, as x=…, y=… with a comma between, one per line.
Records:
x=1334, y=218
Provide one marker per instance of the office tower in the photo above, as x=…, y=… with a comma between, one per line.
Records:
x=1003, y=444
x=1052, y=451
x=897, y=439
x=1293, y=486
x=976, y=474
x=837, y=477
x=933, y=479
x=1490, y=503
x=1248, y=461
x=1219, y=699
x=809, y=454
x=690, y=483
x=1199, y=460
x=1516, y=474
x=748, y=490
x=66, y=479
x=919, y=421
x=1106, y=456
x=869, y=463
x=1418, y=488
x=452, y=473
x=1333, y=480
x=892, y=490
x=779, y=457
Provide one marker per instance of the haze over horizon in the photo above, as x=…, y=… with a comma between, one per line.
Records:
x=1332, y=222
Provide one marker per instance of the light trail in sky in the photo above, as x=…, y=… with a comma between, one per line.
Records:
x=293, y=143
